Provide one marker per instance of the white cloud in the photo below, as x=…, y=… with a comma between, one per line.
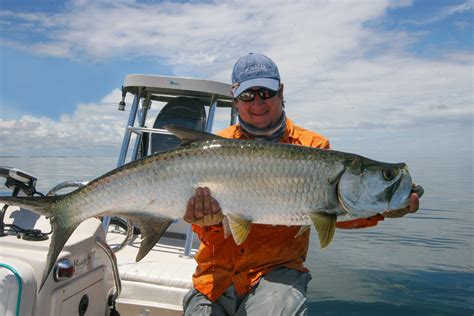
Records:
x=463, y=7
x=185, y=33
x=338, y=72
x=91, y=128
x=390, y=90
x=445, y=13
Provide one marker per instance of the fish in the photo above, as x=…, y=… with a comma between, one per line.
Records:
x=253, y=181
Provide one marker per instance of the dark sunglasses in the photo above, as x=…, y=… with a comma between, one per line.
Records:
x=263, y=93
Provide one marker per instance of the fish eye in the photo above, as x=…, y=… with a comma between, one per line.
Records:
x=389, y=173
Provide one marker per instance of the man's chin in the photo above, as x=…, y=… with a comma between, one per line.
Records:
x=260, y=122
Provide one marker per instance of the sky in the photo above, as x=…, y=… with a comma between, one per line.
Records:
x=391, y=75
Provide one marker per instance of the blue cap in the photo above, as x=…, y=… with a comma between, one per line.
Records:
x=254, y=70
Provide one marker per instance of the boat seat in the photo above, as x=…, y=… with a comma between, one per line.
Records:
x=181, y=111
x=162, y=277
x=170, y=272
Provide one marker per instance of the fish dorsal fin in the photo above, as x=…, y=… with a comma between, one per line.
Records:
x=240, y=228
x=325, y=225
x=188, y=135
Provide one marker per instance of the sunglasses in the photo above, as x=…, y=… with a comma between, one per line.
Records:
x=263, y=93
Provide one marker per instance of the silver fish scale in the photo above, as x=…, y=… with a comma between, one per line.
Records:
x=261, y=182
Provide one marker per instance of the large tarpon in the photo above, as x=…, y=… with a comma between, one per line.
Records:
x=254, y=182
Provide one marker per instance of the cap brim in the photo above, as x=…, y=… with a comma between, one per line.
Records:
x=268, y=83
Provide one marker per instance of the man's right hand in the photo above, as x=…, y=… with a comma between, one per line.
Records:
x=203, y=209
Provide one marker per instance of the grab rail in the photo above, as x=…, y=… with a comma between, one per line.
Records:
x=20, y=284
x=113, y=261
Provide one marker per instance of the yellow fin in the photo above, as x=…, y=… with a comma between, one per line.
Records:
x=240, y=228
x=302, y=230
x=325, y=225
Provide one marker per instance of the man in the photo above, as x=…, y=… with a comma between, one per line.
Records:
x=265, y=275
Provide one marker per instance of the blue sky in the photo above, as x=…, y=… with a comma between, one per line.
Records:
x=356, y=71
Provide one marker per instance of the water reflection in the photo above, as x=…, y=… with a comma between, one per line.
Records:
x=421, y=264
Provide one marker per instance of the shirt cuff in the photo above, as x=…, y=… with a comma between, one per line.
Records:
x=361, y=222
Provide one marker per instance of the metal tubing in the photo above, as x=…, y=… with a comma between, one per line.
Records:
x=128, y=236
x=142, y=113
x=113, y=261
x=233, y=115
x=189, y=242
x=66, y=184
x=210, y=121
x=131, y=121
x=212, y=114
x=125, y=144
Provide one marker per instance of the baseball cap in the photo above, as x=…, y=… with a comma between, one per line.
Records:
x=254, y=70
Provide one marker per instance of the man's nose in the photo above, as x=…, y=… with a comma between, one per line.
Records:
x=258, y=99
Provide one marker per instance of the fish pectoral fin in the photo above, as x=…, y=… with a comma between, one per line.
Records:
x=325, y=225
x=188, y=135
x=151, y=230
x=302, y=230
x=239, y=227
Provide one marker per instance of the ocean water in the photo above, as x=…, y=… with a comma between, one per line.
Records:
x=421, y=264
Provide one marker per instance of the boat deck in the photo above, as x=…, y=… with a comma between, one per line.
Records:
x=157, y=284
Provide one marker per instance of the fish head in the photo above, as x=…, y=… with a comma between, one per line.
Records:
x=368, y=187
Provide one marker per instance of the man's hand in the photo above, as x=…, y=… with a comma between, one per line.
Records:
x=412, y=208
x=203, y=209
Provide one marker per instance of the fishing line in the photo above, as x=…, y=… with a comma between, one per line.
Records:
x=437, y=210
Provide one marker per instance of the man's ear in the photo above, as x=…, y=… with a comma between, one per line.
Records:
x=234, y=105
x=280, y=92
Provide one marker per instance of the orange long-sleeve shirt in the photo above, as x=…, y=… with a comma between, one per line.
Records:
x=222, y=263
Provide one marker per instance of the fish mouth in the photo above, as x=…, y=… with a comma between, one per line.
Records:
x=399, y=191
x=418, y=189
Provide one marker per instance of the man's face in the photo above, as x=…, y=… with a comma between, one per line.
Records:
x=260, y=112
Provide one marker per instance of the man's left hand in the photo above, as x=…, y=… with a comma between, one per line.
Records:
x=412, y=208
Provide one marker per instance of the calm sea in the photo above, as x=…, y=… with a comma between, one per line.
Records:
x=419, y=265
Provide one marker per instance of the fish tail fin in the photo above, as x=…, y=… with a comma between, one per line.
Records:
x=58, y=239
x=61, y=233
x=41, y=205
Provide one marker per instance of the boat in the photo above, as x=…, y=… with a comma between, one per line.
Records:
x=96, y=272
